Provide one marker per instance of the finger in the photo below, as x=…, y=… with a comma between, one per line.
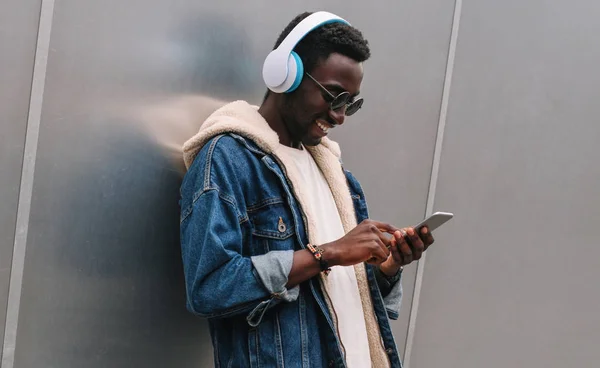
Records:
x=384, y=249
x=382, y=226
x=380, y=255
x=394, y=248
x=416, y=244
x=404, y=248
x=380, y=235
x=426, y=236
x=387, y=241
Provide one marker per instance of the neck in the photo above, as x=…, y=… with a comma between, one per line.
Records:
x=271, y=113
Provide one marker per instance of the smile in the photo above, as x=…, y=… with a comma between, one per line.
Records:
x=323, y=126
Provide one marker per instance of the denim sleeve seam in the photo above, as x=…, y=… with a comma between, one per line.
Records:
x=232, y=202
x=392, y=314
x=189, y=209
x=209, y=156
x=227, y=199
x=227, y=312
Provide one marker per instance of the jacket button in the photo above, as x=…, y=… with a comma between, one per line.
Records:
x=281, y=226
x=389, y=350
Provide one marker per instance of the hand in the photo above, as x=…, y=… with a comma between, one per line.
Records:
x=407, y=246
x=365, y=243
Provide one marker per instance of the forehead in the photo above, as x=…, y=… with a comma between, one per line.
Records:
x=339, y=70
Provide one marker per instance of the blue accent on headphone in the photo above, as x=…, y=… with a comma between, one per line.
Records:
x=300, y=66
x=299, y=72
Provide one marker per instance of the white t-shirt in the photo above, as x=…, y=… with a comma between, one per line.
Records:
x=341, y=282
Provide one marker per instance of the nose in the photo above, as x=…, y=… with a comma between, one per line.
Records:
x=338, y=116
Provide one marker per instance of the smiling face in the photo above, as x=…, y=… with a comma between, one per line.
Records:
x=306, y=112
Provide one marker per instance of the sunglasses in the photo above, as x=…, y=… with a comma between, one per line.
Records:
x=341, y=100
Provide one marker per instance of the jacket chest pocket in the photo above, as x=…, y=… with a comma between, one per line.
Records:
x=272, y=228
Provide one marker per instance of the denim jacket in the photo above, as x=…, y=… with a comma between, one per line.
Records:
x=240, y=225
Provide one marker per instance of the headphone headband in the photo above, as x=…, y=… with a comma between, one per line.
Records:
x=303, y=28
x=282, y=62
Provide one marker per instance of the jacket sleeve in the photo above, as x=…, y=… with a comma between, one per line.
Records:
x=391, y=292
x=220, y=282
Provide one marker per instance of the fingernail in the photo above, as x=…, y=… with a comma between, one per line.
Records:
x=424, y=231
x=411, y=232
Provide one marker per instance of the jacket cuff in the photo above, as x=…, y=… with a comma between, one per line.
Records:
x=391, y=292
x=273, y=269
x=386, y=283
x=393, y=300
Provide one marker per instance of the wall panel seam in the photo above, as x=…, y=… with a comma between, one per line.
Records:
x=27, y=176
x=434, y=176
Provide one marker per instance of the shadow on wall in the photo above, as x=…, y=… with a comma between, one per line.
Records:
x=114, y=279
x=220, y=67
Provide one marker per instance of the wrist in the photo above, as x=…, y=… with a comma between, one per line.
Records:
x=317, y=252
x=390, y=271
x=386, y=279
x=330, y=255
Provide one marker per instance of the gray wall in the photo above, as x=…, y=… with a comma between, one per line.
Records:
x=122, y=85
x=18, y=31
x=506, y=283
x=514, y=282
x=389, y=144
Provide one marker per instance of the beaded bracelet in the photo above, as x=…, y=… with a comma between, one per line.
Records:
x=317, y=252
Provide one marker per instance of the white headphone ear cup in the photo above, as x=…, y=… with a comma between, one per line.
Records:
x=294, y=75
x=274, y=69
x=277, y=77
x=296, y=71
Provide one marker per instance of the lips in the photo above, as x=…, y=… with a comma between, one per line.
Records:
x=323, y=125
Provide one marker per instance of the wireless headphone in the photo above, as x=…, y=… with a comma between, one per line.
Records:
x=283, y=69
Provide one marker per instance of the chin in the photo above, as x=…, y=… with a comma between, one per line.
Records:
x=311, y=142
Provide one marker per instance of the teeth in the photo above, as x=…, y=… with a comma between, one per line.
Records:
x=323, y=127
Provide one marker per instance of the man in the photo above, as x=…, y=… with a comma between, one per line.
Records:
x=278, y=250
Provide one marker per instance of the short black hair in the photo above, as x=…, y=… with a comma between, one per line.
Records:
x=330, y=38
x=322, y=41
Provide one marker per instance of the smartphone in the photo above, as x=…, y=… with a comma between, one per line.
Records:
x=434, y=221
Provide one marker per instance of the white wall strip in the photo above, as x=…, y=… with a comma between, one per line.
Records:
x=23, y=209
x=434, y=177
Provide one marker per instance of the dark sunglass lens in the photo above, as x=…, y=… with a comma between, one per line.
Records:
x=340, y=100
x=354, y=107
